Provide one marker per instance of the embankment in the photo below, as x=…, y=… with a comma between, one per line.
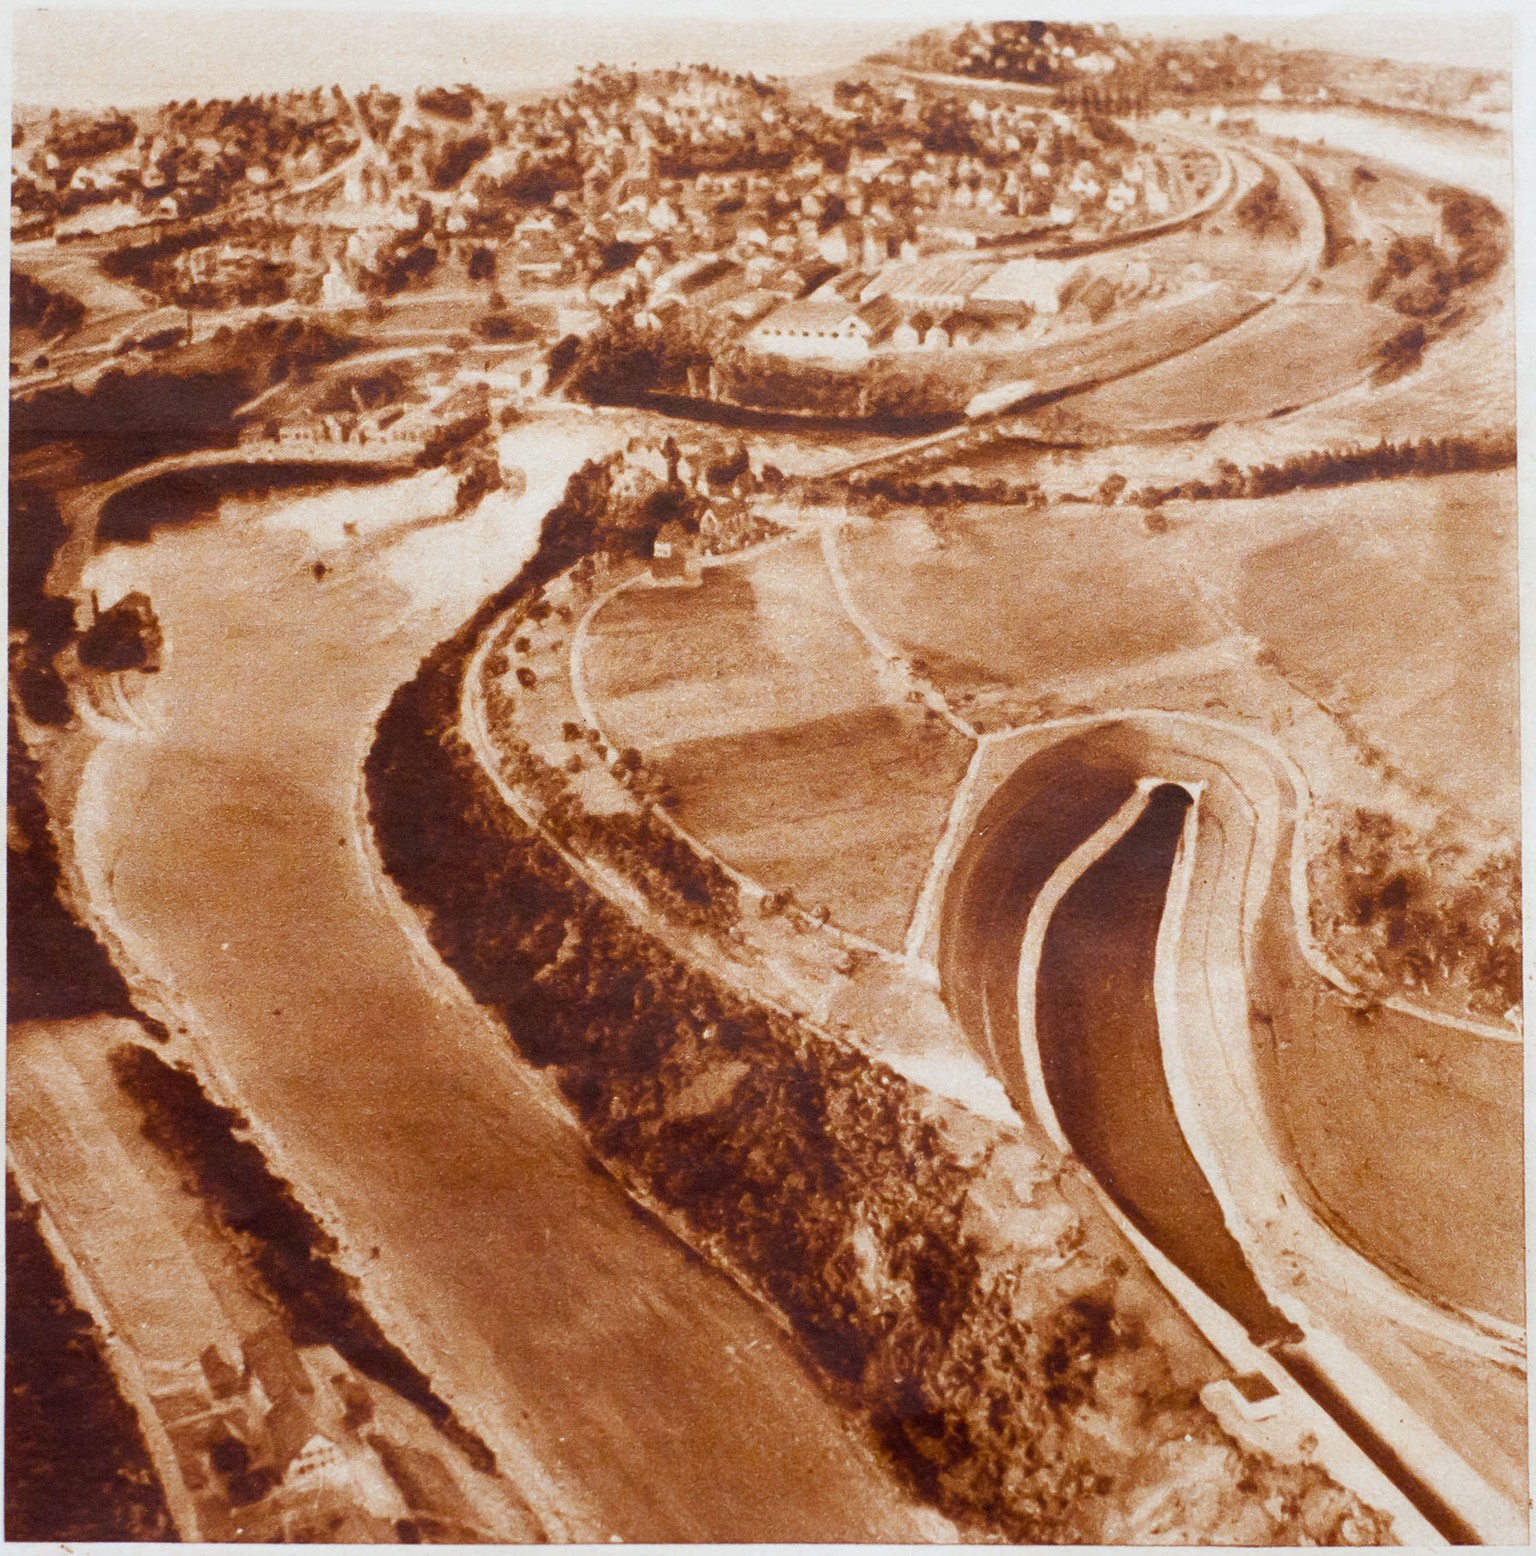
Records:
x=290, y=1254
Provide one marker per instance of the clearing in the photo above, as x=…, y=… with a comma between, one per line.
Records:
x=1390, y=606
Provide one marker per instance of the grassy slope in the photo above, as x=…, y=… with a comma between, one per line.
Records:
x=1294, y=353
x=1393, y=602
x=1398, y=600
x=1032, y=600
x=1026, y=1399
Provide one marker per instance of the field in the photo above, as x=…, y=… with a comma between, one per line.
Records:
x=1292, y=354
x=793, y=756
x=1464, y=387
x=1397, y=603
x=1042, y=602
x=1389, y=605
x=1316, y=343
x=1129, y=343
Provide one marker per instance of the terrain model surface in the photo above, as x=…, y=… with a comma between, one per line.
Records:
x=758, y=809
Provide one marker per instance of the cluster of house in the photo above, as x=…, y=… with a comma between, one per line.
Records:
x=182, y=161
x=721, y=479
x=623, y=177
x=1045, y=53
x=682, y=188
x=1055, y=55
x=934, y=304
x=282, y=1444
x=1018, y=171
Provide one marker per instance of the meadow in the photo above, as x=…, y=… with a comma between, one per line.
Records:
x=792, y=753
x=1389, y=605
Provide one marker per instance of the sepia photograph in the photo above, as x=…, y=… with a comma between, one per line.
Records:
x=764, y=778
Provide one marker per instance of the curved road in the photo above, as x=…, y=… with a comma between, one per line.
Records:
x=628, y=1390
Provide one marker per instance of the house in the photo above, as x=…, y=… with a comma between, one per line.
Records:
x=316, y=1462
x=833, y=245
x=317, y=1472
x=540, y=255
x=336, y=291
x=271, y=1360
x=825, y=326
x=612, y=290
x=673, y=555
x=1089, y=302
x=751, y=306
x=671, y=541
x=224, y=1380
x=941, y=282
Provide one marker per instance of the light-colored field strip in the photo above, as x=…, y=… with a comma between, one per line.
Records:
x=884, y=651
x=752, y=888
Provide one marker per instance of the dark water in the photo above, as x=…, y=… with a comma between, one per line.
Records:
x=1024, y=833
x=1096, y=1024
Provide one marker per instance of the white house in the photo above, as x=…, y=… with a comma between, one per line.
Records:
x=336, y=291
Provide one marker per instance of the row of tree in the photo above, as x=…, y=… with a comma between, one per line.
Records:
x=44, y=309
x=1382, y=460
x=290, y=1256
x=1452, y=933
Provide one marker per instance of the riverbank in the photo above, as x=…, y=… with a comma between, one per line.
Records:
x=76, y=1466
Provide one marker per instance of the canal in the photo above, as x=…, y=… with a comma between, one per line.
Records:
x=1101, y=1053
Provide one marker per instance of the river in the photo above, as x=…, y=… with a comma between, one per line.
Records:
x=628, y=1389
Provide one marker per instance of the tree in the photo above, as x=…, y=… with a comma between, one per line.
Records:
x=125, y=637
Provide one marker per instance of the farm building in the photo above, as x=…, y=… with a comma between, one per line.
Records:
x=540, y=254
x=1088, y=299
x=938, y=284
x=673, y=553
